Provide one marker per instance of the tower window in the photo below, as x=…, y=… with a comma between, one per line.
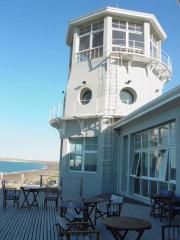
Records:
x=85, y=96
x=127, y=96
x=91, y=41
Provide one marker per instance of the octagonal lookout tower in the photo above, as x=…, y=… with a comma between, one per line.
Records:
x=116, y=65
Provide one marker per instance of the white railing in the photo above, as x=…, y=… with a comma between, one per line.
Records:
x=56, y=112
x=90, y=54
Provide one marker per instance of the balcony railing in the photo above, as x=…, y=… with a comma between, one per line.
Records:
x=48, y=179
x=90, y=54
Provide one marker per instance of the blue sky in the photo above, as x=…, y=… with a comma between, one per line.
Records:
x=34, y=66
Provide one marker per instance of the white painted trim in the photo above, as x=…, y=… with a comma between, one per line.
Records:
x=116, y=12
x=171, y=96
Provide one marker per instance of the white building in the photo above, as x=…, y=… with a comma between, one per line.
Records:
x=117, y=66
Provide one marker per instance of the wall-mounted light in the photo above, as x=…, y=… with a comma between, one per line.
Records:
x=157, y=90
x=128, y=82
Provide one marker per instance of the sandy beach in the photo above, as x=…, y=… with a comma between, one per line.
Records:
x=49, y=175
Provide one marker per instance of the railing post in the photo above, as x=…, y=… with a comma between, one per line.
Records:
x=1, y=176
x=41, y=180
x=22, y=179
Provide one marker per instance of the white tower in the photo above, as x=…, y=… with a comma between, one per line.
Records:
x=116, y=66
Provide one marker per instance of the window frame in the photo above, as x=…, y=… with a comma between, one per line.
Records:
x=90, y=34
x=83, y=152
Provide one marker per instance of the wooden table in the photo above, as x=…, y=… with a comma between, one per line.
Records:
x=91, y=204
x=158, y=201
x=120, y=226
x=33, y=192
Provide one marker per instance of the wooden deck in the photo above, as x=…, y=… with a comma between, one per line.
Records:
x=28, y=224
x=38, y=223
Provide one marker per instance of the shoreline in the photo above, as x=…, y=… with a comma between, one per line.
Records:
x=49, y=174
x=26, y=171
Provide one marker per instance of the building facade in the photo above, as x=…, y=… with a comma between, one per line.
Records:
x=116, y=66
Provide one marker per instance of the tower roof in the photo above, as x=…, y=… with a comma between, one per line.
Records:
x=116, y=12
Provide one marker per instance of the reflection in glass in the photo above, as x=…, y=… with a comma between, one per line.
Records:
x=137, y=141
x=90, y=162
x=144, y=187
x=154, y=137
x=152, y=163
x=75, y=162
x=172, y=164
x=135, y=165
x=144, y=164
x=161, y=164
x=172, y=133
x=163, y=135
x=145, y=139
x=137, y=185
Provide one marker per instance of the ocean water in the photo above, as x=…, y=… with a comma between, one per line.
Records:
x=14, y=167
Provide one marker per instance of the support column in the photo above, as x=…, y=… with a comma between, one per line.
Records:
x=107, y=40
x=75, y=46
x=147, y=38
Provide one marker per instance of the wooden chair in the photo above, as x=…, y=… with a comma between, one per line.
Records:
x=52, y=195
x=111, y=207
x=171, y=232
x=77, y=230
x=9, y=194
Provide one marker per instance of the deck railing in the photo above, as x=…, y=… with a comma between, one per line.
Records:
x=50, y=179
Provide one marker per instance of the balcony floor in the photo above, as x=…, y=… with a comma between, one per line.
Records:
x=38, y=223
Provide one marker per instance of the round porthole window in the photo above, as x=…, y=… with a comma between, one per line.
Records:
x=128, y=96
x=85, y=96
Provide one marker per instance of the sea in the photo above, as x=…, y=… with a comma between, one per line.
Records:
x=17, y=167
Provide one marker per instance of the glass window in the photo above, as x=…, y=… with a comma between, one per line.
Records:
x=136, y=40
x=152, y=163
x=145, y=139
x=98, y=26
x=75, y=162
x=84, y=29
x=163, y=135
x=137, y=185
x=83, y=154
x=153, y=187
x=85, y=96
x=90, y=163
x=91, y=144
x=76, y=144
x=135, y=27
x=119, y=24
x=137, y=141
x=126, y=96
x=172, y=133
x=172, y=161
x=161, y=165
x=97, y=39
x=154, y=137
x=136, y=164
x=144, y=164
x=84, y=43
x=144, y=187
x=119, y=38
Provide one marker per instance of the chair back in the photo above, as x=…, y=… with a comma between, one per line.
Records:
x=117, y=199
x=170, y=232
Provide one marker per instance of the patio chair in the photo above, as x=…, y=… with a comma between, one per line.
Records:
x=9, y=194
x=171, y=232
x=77, y=230
x=111, y=207
x=173, y=208
x=72, y=210
x=52, y=195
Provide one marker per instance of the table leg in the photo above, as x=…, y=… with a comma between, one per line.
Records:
x=35, y=202
x=25, y=199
